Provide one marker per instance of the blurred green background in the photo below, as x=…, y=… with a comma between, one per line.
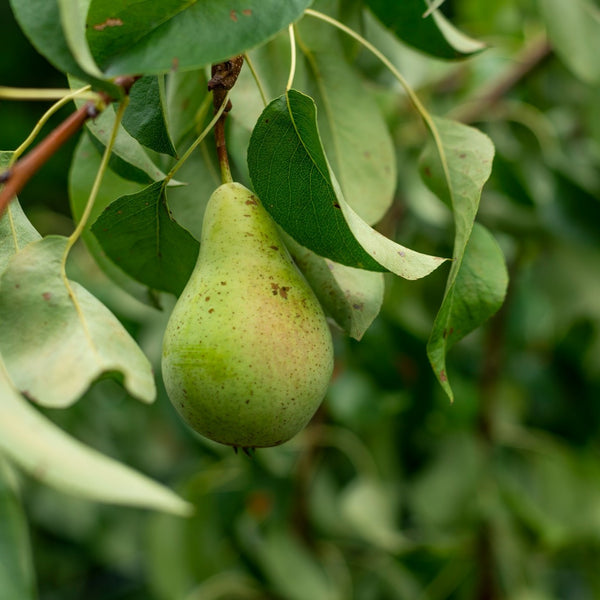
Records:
x=392, y=492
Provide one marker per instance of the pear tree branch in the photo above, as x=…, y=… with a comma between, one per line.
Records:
x=16, y=176
x=224, y=76
x=21, y=172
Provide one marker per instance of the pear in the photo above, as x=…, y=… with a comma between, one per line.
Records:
x=247, y=352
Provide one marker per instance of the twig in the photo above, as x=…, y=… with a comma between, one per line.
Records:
x=21, y=172
x=17, y=175
x=492, y=92
x=224, y=76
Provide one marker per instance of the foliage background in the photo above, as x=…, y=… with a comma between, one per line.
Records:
x=392, y=492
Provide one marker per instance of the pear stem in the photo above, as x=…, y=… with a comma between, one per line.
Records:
x=224, y=76
x=222, y=155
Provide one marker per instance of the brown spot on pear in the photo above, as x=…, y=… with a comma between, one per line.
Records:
x=276, y=349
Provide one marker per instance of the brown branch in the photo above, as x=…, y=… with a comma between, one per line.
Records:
x=224, y=76
x=492, y=92
x=21, y=172
x=16, y=177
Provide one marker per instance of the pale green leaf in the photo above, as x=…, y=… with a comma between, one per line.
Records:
x=369, y=508
x=16, y=231
x=50, y=455
x=457, y=39
x=554, y=489
x=292, y=569
x=56, y=338
x=72, y=19
x=351, y=297
x=456, y=169
x=433, y=5
x=17, y=578
x=445, y=490
x=574, y=31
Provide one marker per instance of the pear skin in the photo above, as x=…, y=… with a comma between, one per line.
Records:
x=247, y=352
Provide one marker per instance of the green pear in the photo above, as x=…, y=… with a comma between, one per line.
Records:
x=247, y=353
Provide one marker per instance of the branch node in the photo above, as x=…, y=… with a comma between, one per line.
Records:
x=224, y=76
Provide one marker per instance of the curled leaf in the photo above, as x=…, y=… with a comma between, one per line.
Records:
x=56, y=338
x=293, y=178
x=52, y=456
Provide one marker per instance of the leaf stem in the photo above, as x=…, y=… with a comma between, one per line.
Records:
x=99, y=175
x=13, y=93
x=198, y=140
x=261, y=89
x=222, y=155
x=427, y=119
x=290, y=80
x=45, y=117
x=399, y=77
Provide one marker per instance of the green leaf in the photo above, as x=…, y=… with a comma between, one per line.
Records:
x=145, y=117
x=353, y=131
x=554, y=489
x=442, y=495
x=56, y=338
x=291, y=568
x=138, y=233
x=50, y=455
x=351, y=297
x=476, y=293
x=292, y=177
x=574, y=30
x=479, y=290
x=432, y=34
x=369, y=507
x=128, y=158
x=17, y=578
x=41, y=21
x=153, y=37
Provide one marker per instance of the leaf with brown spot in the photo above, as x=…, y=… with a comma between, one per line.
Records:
x=56, y=350
x=456, y=172
x=196, y=34
x=296, y=184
